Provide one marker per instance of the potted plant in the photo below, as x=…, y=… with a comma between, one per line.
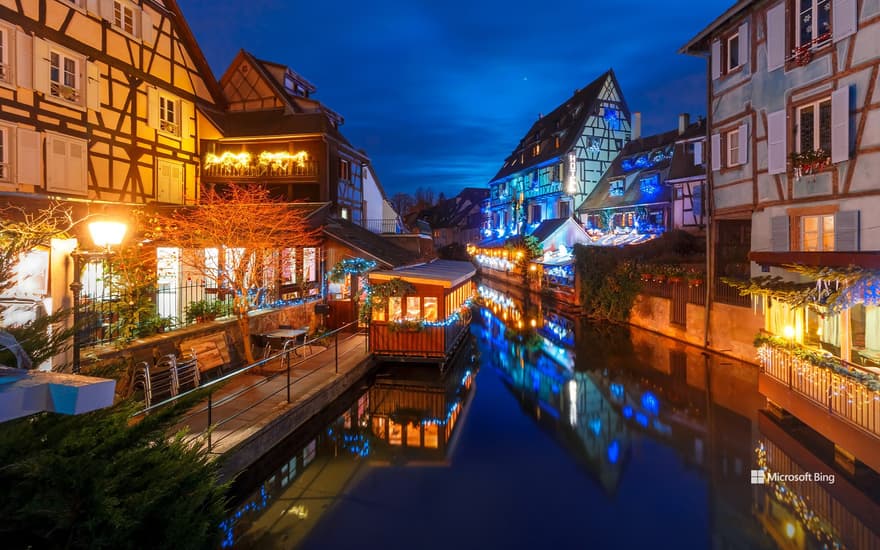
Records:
x=201, y=311
x=809, y=162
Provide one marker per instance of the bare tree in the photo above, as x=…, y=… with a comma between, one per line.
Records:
x=403, y=203
x=249, y=229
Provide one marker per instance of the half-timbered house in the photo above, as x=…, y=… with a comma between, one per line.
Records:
x=560, y=159
x=273, y=133
x=794, y=151
x=654, y=185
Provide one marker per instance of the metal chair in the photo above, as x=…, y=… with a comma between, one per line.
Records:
x=188, y=372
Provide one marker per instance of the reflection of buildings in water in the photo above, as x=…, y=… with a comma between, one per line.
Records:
x=808, y=510
x=414, y=413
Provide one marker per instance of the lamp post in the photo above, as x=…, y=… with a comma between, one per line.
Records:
x=105, y=234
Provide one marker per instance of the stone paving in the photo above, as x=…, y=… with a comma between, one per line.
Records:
x=250, y=402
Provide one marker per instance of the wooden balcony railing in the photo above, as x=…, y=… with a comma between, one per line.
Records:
x=843, y=396
x=308, y=168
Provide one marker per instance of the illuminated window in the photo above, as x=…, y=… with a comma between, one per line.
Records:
x=413, y=435
x=310, y=264
x=395, y=433
x=169, y=115
x=536, y=149
x=413, y=307
x=432, y=439
x=63, y=71
x=379, y=313
x=814, y=127
x=395, y=311
x=344, y=213
x=430, y=303
x=813, y=22
x=616, y=189
x=123, y=17
x=379, y=427
x=817, y=233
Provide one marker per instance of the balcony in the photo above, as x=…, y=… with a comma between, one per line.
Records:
x=844, y=391
x=391, y=225
x=245, y=165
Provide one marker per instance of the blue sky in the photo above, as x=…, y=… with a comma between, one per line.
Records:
x=439, y=93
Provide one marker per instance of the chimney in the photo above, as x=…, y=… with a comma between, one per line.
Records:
x=684, y=120
x=637, y=126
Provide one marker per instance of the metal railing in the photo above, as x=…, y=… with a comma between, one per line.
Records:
x=843, y=396
x=726, y=294
x=308, y=168
x=291, y=357
x=693, y=293
x=390, y=225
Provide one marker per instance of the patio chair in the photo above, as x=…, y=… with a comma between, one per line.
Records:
x=188, y=373
x=158, y=382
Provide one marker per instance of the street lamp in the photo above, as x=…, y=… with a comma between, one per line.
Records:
x=105, y=234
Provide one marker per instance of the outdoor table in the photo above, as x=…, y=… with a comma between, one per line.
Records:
x=281, y=336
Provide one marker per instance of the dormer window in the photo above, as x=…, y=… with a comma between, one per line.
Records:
x=536, y=149
x=616, y=188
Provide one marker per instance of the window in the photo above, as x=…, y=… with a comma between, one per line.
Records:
x=616, y=189
x=344, y=170
x=813, y=22
x=343, y=213
x=413, y=307
x=814, y=127
x=5, y=73
x=733, y=60
x=4, y=151
x=66, y=164
x=650, y=185
x=63, y=72
x=732, y=138
x=536, y=149
x=123, y=17
x=310, y=264
x=535, y=213
x=169, y=115
x=817, y=233
x=395, y=308
x=430, y=303
x=564, y=209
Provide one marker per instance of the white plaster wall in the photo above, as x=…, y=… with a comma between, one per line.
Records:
x=372, y=196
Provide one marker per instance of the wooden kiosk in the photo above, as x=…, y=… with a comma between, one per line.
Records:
x=424, y=324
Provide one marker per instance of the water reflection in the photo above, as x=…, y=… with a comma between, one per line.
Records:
x=665, y=437
x=405, y=416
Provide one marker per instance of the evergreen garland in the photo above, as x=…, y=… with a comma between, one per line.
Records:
x=350, y=266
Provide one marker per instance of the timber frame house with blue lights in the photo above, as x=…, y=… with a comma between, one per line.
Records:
x=560, y=160
x=654, y=185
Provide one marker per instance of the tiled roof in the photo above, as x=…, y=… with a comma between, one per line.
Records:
x=547, y=228
x=449, y=273
x=371, y=244
x=566, y=122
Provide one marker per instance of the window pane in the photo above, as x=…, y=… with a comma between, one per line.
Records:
x=430, y=308
x=806, y=129
x=805, y=22
x=55, y=70
x=395, y=433
x=825, y=126
x=394, y=308
x=823, y=17
x=733, y=52
x=413, y=435
x=828, y=233
x=431, y=436
x=413, y=307
x=810, y=233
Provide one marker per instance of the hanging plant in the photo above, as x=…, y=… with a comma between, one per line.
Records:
x=809, y=162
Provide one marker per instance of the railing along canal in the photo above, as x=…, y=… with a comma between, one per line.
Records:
x=290, y=358
x=840, y=395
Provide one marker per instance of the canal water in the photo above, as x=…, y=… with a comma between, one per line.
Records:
x=565, y=435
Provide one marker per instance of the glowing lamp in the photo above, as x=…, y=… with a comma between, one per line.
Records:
x=534, y=323
x=789, y=529
x=107, y=234
x=788, y=331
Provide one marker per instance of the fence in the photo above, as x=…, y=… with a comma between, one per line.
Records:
x=384, y=226
x=842, y=396
x=726, y=294
x=220, y=412
x=105, y=316
x=680, y=290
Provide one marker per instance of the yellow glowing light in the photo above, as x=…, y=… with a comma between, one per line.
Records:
x=819, y=331
x=105, y=234
x=533, y=267
x=789, y=530
x=229, y=159
x=788, y=331
x=534, y=323
x=282, y=159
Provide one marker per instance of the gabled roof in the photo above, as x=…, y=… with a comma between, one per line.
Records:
x=700, y=43
x=457, y=211
x=445, y=273
x=566, y=122
x=553, y=233
x=641, y=158
x=276, y=122
x=198, y=57
x=370, y=244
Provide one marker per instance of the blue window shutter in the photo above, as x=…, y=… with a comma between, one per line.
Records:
x=846, y=231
